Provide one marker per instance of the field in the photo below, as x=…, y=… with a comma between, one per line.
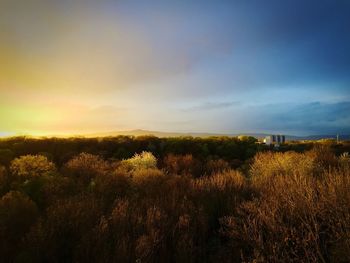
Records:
x=183, y=199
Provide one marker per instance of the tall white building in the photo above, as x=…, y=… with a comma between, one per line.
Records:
x=275, y=139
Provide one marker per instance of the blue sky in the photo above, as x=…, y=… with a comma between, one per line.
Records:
x=193, y=66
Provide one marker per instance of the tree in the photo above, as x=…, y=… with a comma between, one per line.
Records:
x=248, y=139
x=6, y=155
x=29, y=166
x=182, y=164
x=86, y=166
x=144, y=160
x=3, y=180
x=17, y=214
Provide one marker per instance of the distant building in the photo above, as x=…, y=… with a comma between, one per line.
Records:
x=275, y=140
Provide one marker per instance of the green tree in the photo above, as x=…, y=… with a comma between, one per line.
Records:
x=247, y=139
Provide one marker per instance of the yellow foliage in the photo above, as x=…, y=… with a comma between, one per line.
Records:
x=31, y=166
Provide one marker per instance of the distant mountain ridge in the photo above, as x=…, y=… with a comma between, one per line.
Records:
x=140, y=132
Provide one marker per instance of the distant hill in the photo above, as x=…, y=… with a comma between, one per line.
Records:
x=159, y=134
x=140, y=132
x=319, y=137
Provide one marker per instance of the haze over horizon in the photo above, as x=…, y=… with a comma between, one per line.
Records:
x=79, y=67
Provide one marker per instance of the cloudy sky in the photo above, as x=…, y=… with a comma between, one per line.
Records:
x=219, y=66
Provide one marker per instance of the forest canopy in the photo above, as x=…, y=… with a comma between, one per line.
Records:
x=148, y=199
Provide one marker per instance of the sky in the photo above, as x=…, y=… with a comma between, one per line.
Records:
x=237, y=66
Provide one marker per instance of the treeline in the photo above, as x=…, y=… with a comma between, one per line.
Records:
x=235, y=150
x=60, y=150
x=173, y=206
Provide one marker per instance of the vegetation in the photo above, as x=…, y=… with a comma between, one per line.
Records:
x=187, y=199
